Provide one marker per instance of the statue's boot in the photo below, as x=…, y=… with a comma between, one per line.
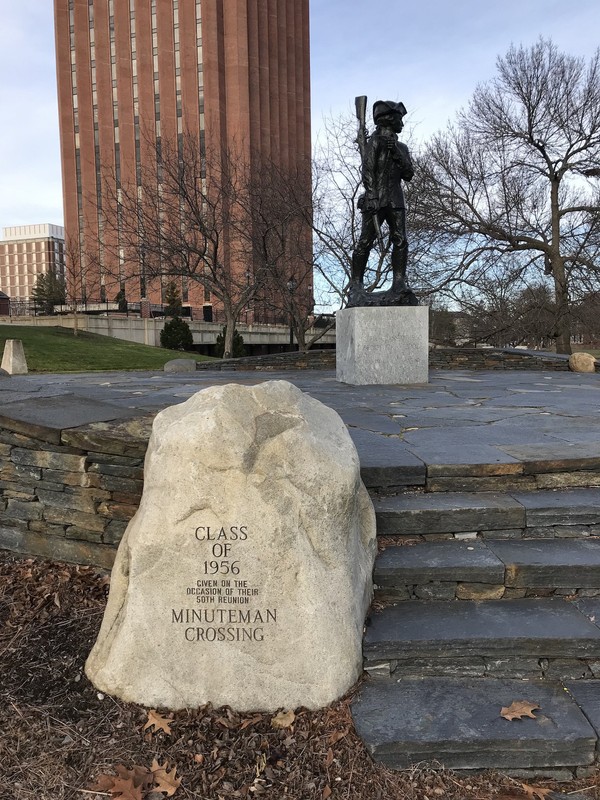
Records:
x=399, y=262
x=359, y=265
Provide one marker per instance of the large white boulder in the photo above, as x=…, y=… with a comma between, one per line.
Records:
x=245, y=576
x=582, y=362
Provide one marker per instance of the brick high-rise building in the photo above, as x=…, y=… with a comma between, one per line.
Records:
x=132, y=73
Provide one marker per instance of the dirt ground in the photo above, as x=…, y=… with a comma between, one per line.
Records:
x=61, y=739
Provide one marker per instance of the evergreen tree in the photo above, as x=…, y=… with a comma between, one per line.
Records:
x=49, y=290
x=121, y=301
x=238, y=348
x=176, y=335
x=173, y=300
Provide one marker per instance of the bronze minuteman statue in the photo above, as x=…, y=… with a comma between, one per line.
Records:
x=386, y=163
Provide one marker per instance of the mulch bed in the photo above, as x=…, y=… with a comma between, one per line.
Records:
x=59, y=735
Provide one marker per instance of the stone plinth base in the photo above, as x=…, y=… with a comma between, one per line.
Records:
x=382, y=345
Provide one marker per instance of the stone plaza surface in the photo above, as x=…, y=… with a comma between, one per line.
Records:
x=456, y=424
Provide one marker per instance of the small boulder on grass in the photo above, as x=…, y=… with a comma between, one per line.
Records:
x=180, y=365
x=582, y=362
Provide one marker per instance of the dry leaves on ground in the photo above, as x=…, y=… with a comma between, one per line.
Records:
x=138, y=782
x=58, y=732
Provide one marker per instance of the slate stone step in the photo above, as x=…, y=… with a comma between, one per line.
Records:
x=474, y=466
x=447, y=512
x=383, y=465
x=521, y=637
x=438, y=561
x=518, y=513
x=550, y=562
x=479, y=570
x=457, y=723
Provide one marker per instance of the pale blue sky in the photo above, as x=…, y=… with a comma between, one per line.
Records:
x=428, y=53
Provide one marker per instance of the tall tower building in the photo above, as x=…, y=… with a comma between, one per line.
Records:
x=135, y=73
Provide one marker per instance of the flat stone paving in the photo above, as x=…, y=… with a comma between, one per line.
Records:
x=500, y=419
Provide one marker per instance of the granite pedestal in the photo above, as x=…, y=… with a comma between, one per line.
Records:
x=382, y=345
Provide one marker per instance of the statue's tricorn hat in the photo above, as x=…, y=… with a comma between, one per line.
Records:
x=382, y=107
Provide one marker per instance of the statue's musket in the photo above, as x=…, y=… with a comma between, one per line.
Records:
x=361, y=140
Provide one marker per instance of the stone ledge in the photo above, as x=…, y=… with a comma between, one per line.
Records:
x=534, y=628
x=457, y=723
x=46, y=546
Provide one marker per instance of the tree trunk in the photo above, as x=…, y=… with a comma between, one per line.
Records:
x=557, y=264
x=75, y=322
x=229, y=331
x=301, y=338
x=563, y=311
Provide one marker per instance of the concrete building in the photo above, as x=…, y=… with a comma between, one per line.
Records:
x=27, y=251
x=137, y=74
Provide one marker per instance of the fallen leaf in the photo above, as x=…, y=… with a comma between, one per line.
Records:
x=141, y=776
x=519, y=709
x=283, y=719
x=337, y=735
x=104, y=783
x=128, y=784
x=535, y=792
x=329, y=759
x=125, y=789
x=198, y=758
x=251, y=721
x=326, y=792
x=158, y=722
x=165, y=781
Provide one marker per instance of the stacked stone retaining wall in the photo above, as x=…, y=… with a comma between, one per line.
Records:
x=439, y=358
x=491, y=358
x=71, y=498
x=313, y=359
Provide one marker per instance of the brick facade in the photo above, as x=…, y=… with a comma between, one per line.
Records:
x=133, y=72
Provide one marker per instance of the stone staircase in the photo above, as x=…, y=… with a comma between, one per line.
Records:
x=482, y=598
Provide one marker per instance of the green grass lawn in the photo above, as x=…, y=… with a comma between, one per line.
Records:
x=58, y=350
x=581, y=348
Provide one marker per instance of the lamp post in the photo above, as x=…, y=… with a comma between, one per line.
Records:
x=292, y=285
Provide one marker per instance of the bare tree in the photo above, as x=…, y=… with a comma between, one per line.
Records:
x=515, y=175
x=281, y=212
x=82, y=277
x=189, y=218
